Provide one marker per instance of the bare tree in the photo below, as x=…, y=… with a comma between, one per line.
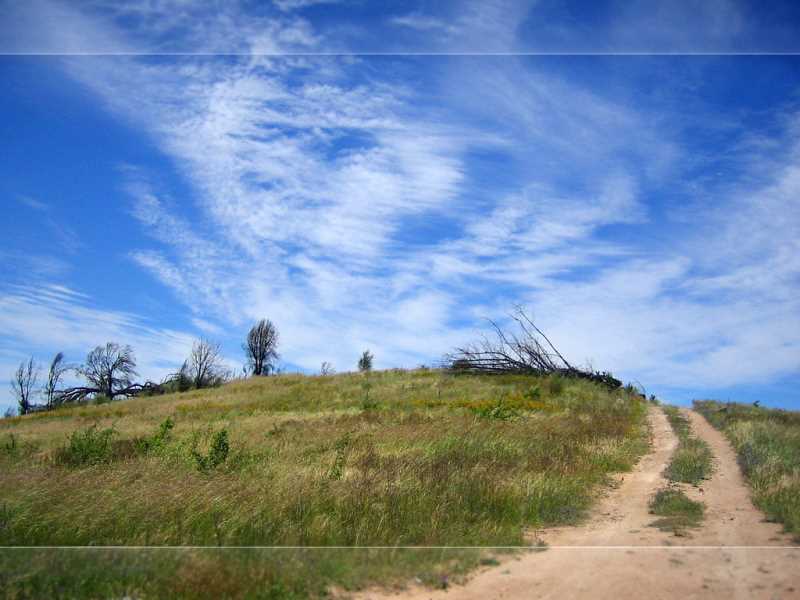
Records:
x=54, y=373
x=110, y=370
x=23, y=384
x=326, y=369
x=261, y=347
x=365, y=361
x=204, y=366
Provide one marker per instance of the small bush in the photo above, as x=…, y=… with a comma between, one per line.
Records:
x=87, y=447
x=217, y=453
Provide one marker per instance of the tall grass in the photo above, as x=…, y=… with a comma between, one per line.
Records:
x=767, y=443
x=427, y=461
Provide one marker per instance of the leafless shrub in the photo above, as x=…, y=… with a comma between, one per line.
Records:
x=326, y=369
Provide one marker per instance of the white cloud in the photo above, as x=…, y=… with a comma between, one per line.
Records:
x=312, y=179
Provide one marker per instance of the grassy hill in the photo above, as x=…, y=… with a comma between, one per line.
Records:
x=314, y=465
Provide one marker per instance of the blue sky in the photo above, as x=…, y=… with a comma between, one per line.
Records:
x=385, y=175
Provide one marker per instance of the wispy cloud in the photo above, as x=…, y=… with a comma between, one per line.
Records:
x=359, y=206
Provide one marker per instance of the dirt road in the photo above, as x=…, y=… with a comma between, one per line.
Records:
x=617, y=555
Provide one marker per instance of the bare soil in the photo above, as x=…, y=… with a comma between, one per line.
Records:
x=618, y=555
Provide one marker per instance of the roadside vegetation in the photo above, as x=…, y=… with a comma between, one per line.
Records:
x=381, y=458
x=677, y=511
x=767, y=442
x=691, y=463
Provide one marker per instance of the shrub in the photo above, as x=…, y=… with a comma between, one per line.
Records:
x=217, y=453
x=158, y=440
x=87, y=447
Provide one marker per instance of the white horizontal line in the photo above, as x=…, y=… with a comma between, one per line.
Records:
x=389, y=54
x=400, y=547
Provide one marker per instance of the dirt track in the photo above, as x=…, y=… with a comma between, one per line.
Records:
x=617, y=555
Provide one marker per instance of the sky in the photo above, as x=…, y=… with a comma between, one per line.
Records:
x=388, y=175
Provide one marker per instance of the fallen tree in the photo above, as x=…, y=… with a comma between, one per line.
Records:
x=526, y=351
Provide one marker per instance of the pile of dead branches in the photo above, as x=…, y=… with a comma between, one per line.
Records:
x=526, y=351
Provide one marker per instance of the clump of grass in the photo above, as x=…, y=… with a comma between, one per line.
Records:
x=767, y=443
x=677, y=511
x=692, y=460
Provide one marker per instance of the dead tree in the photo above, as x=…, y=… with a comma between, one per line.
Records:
x=23, y=384
x=109, y=372
x=110, y=369
x=204, y=366
x=261, y=347
x=526, y=351
x=52, y=394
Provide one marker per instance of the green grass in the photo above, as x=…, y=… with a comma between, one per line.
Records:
x=767, y=443
x=678, y=513
x=391, y=459
x=692, y=460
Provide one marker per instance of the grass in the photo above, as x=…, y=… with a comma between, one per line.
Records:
x=391, y=459
x=691, y=462
x=678, y=513
x=767, y=442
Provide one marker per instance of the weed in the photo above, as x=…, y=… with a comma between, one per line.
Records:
x=497, y=409
x=341, y=445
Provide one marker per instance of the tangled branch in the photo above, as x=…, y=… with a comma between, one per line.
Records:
x=526, y=351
